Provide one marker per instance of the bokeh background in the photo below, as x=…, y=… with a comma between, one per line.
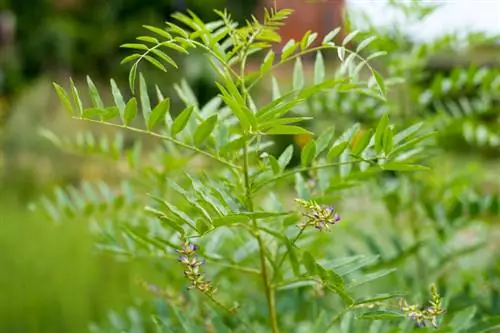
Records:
x=51, y=277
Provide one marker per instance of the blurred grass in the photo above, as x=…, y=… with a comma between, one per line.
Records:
x=51, y=280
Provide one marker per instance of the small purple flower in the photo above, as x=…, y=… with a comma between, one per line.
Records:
x=183, y=259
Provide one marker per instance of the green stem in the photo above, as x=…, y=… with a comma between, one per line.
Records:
x=166, y=138
x=271, y=303
x=269, y=290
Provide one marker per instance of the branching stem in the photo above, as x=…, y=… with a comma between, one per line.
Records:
x=166, y=138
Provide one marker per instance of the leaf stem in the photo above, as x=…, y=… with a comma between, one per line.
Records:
x=166, y=138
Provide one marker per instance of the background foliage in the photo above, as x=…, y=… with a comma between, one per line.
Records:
x=415, y=228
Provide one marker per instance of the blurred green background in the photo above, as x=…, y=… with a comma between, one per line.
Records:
x=51, y=277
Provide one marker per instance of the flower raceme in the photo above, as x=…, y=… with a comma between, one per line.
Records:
x=192, y=271
x=317, y=216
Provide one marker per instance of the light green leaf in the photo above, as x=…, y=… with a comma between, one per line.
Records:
x=275, y=166
x=362, y=143
x=298, y=75
x=380, y=132
x=268, y=62
x=336, y=150
x=388, y=140
x=205, y=129
x=408, y=132
x=331, y=35
x=144, y=96
x=308, y=153
x=319, y=68
x=341, y=53
x=94, y=94
x=155, y=62
x=288, y=49
x=365, y=43
x=61, y=93
x=286, y=157
x=275, y=88
x=380, y=81
x=325, y=140
x=118, y=98
x=287, y=130
x=158, y=31
x=301, y=187
x=130, y=111
x=158, y=113
x=76, y=97
x=350, y=36
x=181, y=120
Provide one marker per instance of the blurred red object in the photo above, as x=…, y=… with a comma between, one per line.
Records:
x=319, y=16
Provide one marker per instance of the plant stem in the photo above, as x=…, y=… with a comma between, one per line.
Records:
x=271, y=302
x=166, y=138
x=269, y=289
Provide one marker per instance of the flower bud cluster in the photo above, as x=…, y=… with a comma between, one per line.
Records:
x=192, y=271
x=427, y=314
x=317, y=216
